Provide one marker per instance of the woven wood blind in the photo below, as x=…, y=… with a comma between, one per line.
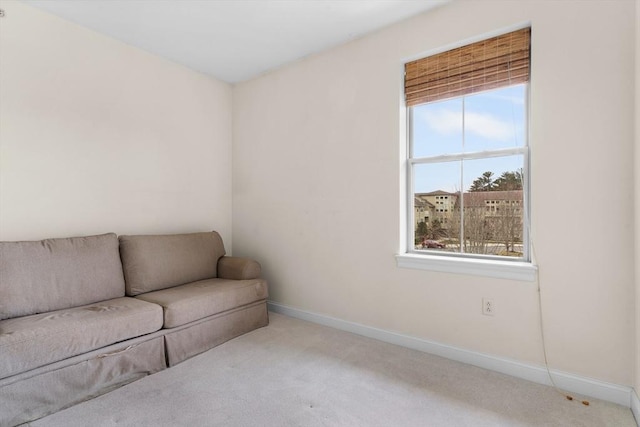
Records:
x=488, y=64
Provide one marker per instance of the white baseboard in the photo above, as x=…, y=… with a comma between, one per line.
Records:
x=615, y=393
x=635, y=406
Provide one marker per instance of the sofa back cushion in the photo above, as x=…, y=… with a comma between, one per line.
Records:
x=152, y=263
x=54, y=274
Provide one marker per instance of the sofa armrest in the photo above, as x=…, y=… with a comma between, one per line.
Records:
x=237, y=268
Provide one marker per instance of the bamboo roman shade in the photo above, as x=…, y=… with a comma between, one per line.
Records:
x=488, y=64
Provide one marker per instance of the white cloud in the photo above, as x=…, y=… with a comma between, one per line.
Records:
x=515, y=100
x=447, y=122
x=487, y=126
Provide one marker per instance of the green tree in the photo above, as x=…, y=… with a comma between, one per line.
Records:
x=421, y=230
x=509, y=181
x=434, y=231
x=483, y=183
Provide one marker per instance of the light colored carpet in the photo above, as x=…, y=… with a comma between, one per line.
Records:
x=295, y=373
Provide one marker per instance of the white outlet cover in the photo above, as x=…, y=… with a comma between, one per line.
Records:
x=488, y=307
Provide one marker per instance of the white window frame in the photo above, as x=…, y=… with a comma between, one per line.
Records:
x=521, y=269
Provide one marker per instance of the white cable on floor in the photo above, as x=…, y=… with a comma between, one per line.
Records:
x=544, y=345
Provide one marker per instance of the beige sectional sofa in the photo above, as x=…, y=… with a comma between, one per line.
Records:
x=81, y=316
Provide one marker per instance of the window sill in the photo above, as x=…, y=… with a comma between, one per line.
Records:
x=522, y=271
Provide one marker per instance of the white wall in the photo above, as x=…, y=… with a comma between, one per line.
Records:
x=316, y=188
x=97, y=136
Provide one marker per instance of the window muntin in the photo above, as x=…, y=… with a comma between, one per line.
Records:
x=468, y=168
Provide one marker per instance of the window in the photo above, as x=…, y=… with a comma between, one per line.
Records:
x=467, y=156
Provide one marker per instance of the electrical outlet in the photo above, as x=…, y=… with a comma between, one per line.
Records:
x=488, y=307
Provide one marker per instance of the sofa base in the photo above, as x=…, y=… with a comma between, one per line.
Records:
x=50, y=391
x=43, y=391
x=197, y=337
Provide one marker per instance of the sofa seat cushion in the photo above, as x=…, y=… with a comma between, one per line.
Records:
x=33, y=341
x=197, y=300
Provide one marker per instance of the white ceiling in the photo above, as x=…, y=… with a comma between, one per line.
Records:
x=235, y=40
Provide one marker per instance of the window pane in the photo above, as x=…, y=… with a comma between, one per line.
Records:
x=437, y=128
x=436, y=192
x=495, y=119
x=493, y=206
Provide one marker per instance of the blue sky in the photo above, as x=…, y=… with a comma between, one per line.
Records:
x=493, y=120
